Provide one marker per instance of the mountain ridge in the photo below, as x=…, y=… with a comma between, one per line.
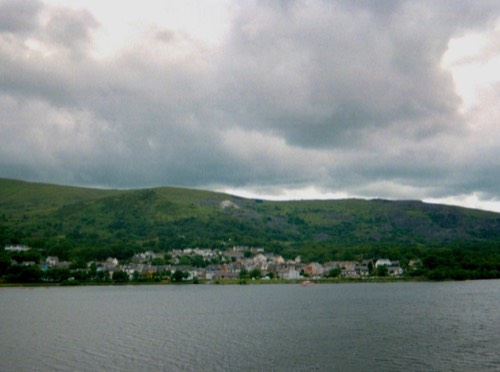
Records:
x=71, y=221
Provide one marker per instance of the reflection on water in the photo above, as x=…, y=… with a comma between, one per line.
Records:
x=389, y=326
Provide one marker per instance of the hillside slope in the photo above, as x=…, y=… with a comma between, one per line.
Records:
x=94, y=223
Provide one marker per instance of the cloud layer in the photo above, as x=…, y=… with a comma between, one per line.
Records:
x=352, y=97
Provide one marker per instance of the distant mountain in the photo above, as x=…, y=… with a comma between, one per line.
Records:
x=93, y=223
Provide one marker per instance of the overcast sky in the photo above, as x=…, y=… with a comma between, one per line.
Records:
x=275, y=99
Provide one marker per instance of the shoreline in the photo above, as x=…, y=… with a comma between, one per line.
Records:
x=235, y=282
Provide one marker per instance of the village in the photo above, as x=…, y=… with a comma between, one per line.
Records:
x=214, y=265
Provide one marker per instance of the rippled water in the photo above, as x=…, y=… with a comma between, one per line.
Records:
x=390, y=326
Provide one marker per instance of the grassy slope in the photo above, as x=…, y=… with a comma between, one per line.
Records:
x=88, y=221
x=24, y=197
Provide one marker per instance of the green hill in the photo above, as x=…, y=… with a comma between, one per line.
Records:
x=84, y=223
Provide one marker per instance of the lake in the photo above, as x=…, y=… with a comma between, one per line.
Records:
x=449, y=326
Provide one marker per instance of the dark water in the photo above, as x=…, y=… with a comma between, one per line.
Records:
x=453, y=326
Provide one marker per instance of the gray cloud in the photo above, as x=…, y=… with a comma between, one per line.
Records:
x=335, y=72
x=71, y=29
x=16, y=16
x=343, y=96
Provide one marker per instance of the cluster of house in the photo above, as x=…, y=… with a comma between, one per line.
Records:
x=17, y=248
x=229, y=264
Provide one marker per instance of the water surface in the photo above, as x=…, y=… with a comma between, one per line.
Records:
x=373, y=326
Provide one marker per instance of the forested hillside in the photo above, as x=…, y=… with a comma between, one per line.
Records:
x=81, y=223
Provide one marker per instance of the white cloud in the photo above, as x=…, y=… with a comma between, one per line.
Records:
x=474, y=62
x=473, y=200
x=126, y=22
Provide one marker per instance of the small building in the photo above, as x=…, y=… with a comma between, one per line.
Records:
x=17, y=248
x=259, y=259
x=394, y=271
x=111, y=262
x=314, y=269
x=362, y=270
x=52, y=260
x=349, y=273
x=383, y=262
x=291, y=274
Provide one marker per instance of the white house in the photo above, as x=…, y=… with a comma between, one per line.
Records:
x=111, y=262
x=291, y=274
x=383, y=262
x=17, y=248
x=52, y=260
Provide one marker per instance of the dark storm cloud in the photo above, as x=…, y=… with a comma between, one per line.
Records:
x=321, y=76
x=345, y=96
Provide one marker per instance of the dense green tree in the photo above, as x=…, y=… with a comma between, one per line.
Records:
x=93, y=270
x=120, y=276
x=177, y=276
x=56, y=274
x=136, y=276
x=244, y=274
x=382, y=270
x=33, y=255
x=165, y=274
x=198, y=261
x=255, y=274
x=333, y=273
x=158, y=261
x=78, y=263
x=370, y=267
x=185, y=261
x=103, y=275
x=80, y=275
x=23, y=274
x=4, y=262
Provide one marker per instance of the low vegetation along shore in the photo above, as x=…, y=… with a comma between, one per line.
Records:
x=305, y=283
